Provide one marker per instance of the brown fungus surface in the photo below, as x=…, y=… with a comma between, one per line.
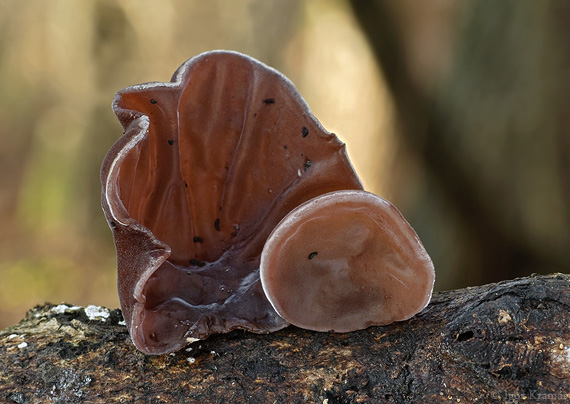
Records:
x=208, y=165
x=345, y=261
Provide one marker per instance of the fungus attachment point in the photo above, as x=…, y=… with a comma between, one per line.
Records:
x=371, y=267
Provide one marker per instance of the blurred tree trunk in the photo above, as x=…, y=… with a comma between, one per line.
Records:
x=486, y=115
x=495, y=343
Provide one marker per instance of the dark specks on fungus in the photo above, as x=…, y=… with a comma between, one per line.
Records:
x=198, y=239
x=197, y=263
x=313, y=255
x=304, y=131
x=152, y=101
x=307, y=165
x=268, y=101
x=236, y=230
x=217, y=224
x=170, y=142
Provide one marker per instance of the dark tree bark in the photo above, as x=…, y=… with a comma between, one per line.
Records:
x=495, y=343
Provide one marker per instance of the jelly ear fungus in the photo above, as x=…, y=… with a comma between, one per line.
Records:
x=208, y=165
x=344, y=261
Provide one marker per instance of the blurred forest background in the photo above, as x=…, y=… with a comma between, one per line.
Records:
x=457, y=112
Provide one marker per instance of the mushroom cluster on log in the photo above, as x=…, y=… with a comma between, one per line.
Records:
x=211, y=168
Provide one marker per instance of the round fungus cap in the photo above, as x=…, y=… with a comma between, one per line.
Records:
x=344, y=261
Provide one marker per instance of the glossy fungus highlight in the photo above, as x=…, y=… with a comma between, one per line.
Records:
x=208, y=165
x=345, y=261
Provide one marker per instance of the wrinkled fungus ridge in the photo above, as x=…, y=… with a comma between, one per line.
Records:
x=208, y=165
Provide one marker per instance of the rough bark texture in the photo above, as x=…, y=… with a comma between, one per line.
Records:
x=503, y=342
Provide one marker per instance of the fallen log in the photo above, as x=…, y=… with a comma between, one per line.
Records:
x=504, y=342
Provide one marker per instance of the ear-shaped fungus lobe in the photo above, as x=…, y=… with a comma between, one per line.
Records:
x=345, y=261
x=208, y=165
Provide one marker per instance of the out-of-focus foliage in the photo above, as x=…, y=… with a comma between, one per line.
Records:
x=60, y=64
